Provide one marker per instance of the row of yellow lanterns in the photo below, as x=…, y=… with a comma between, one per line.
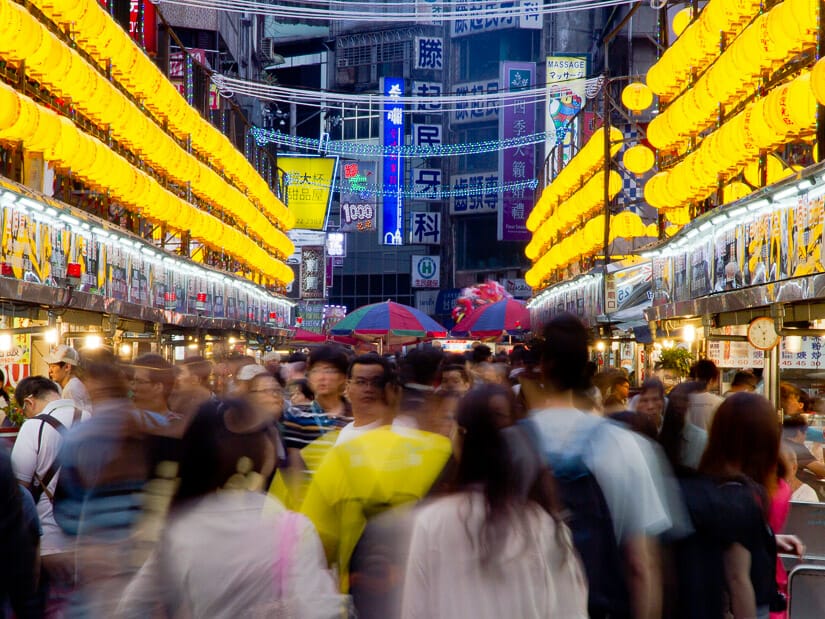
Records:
x=585, y=242
x=698, y=45
x=65, y=73
x=94, y=30
x=765, y=45
x=786, y=113
x=62, y=143
x=580, y=206
x=581, y=167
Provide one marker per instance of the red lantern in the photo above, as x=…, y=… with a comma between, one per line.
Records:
x=73, y=273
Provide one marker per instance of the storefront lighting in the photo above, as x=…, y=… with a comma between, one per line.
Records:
x=93, y=342
x=101, y=232
x=148, y=251
x=688, y=334
x=691, y=233
x=806, y=184
x=719, y=219
x=600, y=346
x=50, y=212
x=192, y=346
x=72, y=221
x=614, y=346
x=50, y=336
x=758, y=205
x=30, y=204
x=125, y=242
x=231, y=341
x=5, y=342
x=785, y=193
x=705, y=226
x=125, y=349
x=793, y=344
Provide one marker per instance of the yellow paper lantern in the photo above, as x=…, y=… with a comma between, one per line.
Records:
x=638, y=159
x=9, y=106
x=682, y=20
x=637, y=97
x=734, y=191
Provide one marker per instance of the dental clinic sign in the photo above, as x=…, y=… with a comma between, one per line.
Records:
x=425, y=271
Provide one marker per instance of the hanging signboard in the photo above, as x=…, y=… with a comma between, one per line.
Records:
x=309, y=183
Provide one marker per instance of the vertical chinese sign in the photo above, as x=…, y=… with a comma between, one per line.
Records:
x=392, y=222
x=518, y=164
x=566, y=84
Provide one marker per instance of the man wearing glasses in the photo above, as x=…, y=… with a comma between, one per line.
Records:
x=368, y=376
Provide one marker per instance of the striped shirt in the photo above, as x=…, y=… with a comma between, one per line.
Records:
x=302, y=426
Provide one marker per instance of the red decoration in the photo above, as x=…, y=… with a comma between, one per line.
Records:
x=73, y=270
x=6, y=270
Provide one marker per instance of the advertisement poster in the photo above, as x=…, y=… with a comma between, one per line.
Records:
x=662, y=270
x=807, y=258
x=517, y=164
x=727, y=273
x=701, y=269
x=681, y=290
x=16, y=362
x=358, y=197
x=779, y=250
x=309, y=188
x=312, y=272
x=566, y=75
x=117, y=284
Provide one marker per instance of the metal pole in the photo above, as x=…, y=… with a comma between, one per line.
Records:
x=606, y=128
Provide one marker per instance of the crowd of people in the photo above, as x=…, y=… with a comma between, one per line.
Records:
x=427, y=485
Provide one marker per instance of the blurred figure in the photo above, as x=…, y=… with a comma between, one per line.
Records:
x=455, y=378
x=369, y=472
x=34, y=459
x=480, y=357
x=703, y=403
x=193, y=387
x=227, y=550
x=295, y=367
x=5, y=403
x=18, y=549
x=64, y=362
x=418, y=375
x=743, y=380
x=742, y=457
x=608, y=477
x=794, y=429
x=801, y=492
x=300, y=394
x=272, y=363
x=650, y=402
x=105, y=463
x=682, y=441
x=615, y=388
x=484, y=550
x=152, y=380
x=791, y=399
x=497, y=398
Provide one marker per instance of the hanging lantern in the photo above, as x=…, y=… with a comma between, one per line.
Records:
x=734, y=191
x=638, y=159
x=682, y=20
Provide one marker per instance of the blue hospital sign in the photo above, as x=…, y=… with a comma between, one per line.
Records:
x=392, y=223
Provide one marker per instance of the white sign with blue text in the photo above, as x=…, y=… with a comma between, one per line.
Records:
x=475, y=193
x=425, y=229
x=477, y=107
x=500, y=15
x=426, y=183
x=429, y=53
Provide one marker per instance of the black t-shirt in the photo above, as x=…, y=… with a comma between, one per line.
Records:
x=722, y=514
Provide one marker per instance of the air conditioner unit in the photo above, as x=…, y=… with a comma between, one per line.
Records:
x=342, y=61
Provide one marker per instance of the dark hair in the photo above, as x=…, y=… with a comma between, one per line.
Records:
x=673, y=422
x=564, y=355
x=159, y=369
x=333, y=355
x=461, y=369
x=743, y=439
x=653, y=384
x=704, y=371
x=744, y=377
x=303, y=387
x=3, y=393
x=482, y=396
x=485, y=463
x=295, y=357
x=791, y=424
x=480, y=353
x=210, y=450
x=108, y=374
x=35, y=386
x=371, y=358
x=420, y=365
x=639, y=423
x=200, y=368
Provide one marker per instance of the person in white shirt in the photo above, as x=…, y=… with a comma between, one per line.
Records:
x=703, y=404
x=34, y=459
x=63, y=363
x=368, y=376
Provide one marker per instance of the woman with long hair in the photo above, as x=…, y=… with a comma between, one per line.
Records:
x=682, y=442
x=483, y=550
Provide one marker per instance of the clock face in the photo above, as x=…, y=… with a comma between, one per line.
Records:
x=762, y=333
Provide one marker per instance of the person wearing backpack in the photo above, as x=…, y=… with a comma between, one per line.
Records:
x=608, y=479
x=34, y=459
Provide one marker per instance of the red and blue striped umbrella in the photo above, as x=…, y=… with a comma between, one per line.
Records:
x=508, y=316
x=389, y=322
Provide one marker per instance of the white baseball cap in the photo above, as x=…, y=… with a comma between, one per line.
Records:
x=63, y=354
x=248, y=372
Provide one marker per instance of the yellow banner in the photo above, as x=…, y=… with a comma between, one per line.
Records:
x=309, y=188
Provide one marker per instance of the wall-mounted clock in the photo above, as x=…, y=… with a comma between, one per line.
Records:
x=762, y=333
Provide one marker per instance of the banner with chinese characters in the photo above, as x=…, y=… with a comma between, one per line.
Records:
x=426, y=183
x=392, y=220
x=628, y=287
x=427, y=89
x=503, y=14
x=426, y=229
x=427, y=135
x=428, y=53
x=566, y=75
x=309, y=188
x=475, y=193
x=312, y=272
x=517, y=164
x=476, y=107
x=358, y=201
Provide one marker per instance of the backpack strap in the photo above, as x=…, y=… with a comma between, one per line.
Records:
x=41, y=484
